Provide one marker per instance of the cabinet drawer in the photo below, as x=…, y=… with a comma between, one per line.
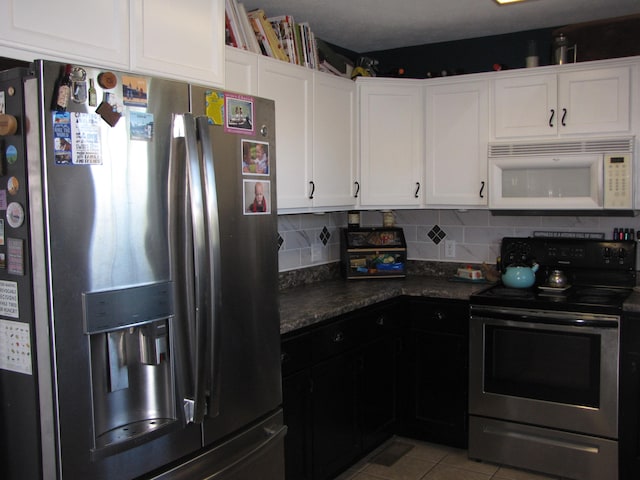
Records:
x=378, y=323
x=335, y=338
x=440, y=316
x=295, y=354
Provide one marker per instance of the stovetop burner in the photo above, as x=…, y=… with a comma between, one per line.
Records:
x=602, y=274
x=573, y=298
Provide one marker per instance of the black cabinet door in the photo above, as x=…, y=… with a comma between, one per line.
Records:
x=296, y=401
x=336, y=438
x=436, y=376
x=439, y=402
x=378, y=390
x=629, y=414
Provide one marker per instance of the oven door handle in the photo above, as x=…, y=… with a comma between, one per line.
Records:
x=547, y=317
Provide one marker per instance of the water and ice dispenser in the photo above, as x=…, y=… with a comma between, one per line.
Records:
x=132, y=365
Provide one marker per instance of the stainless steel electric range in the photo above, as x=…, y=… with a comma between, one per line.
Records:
x=543, y=373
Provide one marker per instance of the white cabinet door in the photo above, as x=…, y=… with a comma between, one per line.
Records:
x=594, y=101
x=456, y=143
x=525, y=106
x=241, y=71
x=391, y=142
x=182, y=40
x=334, y=141
x=575, y=102
x=291, y=88
x=94, y=33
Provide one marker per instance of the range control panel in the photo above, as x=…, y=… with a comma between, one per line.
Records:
x=562, y=252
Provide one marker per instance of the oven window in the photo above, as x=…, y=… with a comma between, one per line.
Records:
x=543, y=364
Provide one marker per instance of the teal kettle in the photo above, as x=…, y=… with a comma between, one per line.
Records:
x=520, y=276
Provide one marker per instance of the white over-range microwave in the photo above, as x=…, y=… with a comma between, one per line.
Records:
x=594, y=174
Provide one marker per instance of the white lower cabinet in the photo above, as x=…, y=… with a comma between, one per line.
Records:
x=456, y=134
x=391, y=142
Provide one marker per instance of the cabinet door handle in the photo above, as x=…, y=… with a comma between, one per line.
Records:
x=482, y=189
x=564, y=115
x=553, y=112
x=357, y=184
x=417, y=189
x=380, y=320
x=284, y=358
x=313, y=189
x=338, y=337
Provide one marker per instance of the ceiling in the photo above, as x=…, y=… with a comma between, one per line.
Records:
x=370, y=25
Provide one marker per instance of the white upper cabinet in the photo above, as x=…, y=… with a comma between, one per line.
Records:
x=457, y=131
x=575, y=102
x=182, y=40
x=391, y=142
x=95, y=33
x=290, y=87
x=241, y=71
x=334, y=142
x=315, y=129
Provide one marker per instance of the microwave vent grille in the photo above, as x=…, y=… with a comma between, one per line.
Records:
x=601, y=145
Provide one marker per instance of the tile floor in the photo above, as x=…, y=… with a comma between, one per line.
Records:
x=429, y=461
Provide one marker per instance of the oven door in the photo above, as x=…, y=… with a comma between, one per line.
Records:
x=553, y=369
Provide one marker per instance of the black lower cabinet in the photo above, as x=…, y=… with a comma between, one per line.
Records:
x=629, y=411
x=336, y=433
x=296, y=395
x=340, y=402
x=435, y=374
x=378, y=389
x=399, y=367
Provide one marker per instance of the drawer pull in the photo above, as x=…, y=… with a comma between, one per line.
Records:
x=338, y=337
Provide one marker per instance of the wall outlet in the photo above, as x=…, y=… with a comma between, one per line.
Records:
x=316, y=253
x=449, y=248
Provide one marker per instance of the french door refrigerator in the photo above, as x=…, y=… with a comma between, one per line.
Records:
x=139, y=324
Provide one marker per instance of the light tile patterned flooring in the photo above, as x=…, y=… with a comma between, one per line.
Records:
x=429, y=461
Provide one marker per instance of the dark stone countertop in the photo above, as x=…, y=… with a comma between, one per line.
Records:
x=309, y=304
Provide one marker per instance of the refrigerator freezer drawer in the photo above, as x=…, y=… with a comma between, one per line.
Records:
x=254, y=453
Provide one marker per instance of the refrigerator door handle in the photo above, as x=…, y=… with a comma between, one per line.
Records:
x=212, y=222
x=200, y=261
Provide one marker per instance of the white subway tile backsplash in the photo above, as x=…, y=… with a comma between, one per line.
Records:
x=477, y=233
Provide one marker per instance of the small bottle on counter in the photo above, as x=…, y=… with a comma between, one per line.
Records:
x=353, y=219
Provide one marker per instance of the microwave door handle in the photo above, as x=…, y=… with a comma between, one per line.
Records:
x=201, y=330
x=213, y=267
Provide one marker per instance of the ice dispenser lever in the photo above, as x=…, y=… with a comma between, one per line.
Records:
x=153, y=343
x=117, y=353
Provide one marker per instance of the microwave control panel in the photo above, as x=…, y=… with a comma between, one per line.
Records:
x=617, y=180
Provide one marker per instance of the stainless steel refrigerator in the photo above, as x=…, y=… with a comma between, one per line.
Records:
x=139, y=324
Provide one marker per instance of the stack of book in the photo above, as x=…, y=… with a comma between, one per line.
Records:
x=278, y=37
